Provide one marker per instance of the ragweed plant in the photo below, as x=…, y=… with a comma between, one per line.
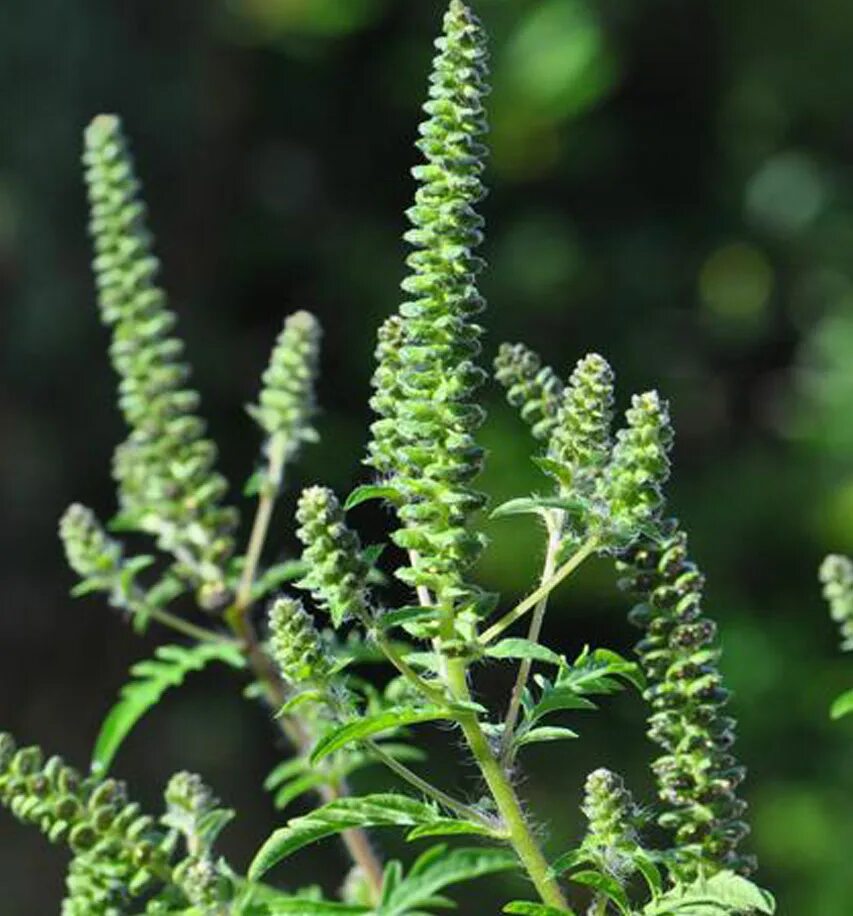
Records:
x=300, y=630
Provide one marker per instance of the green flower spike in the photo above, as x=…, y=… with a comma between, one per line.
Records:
x=611, y=839
x=119, y=852
x=287, y=402
x=337, y=573
x=532, y=388
x=697, y=775
x=836, y=575
x=386, y=439
x=296, y=645
x=430, y=455
x=168, y=486
x=581, y=440
x=632, y=485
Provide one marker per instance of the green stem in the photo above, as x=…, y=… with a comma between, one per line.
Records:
x=520, y=835
x=554, y=523
x=184, y=626
x=543, y=591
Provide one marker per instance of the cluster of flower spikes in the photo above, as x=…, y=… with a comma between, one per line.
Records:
x=337, y=568
x=615, y=489
x=165, y=469
x=697, y=775
x=836, y=576
x=296, y=645
x=91, y=553
x=287, y=403
x=612, y=815
x=423, y=442
x=119, y=853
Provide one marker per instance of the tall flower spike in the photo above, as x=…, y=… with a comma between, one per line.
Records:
x=611, y=838
x=296, y=645
x=287, y=402
x=431, y=456
x=633, y=484
x=337, y=570
x=531, y=387
x=836, y=575
x=697, y=775
x=168, y=486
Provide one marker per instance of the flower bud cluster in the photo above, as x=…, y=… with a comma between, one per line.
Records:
x=836, y=575
x=534, y=389
x=611, y=813
x=168, y=485
x=296, y=645
x=120, y=853
x=337, y=570
x=697, y=776
x=287, y=403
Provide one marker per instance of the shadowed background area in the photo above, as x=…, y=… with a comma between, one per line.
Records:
x=672, y=186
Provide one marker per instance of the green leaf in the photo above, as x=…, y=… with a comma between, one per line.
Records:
x=276, y=576
x=607, y=886
x=536, y=505
x=450, y=826
x=369, y=492
x=366, y=726
x=524, y=648
x=568, y=860
x=544, y=733
x=525, y=908
x=438, y=869
x=384, y=810
x=724, y=894
x=315, y=908
x=407, y=615
x=152, y=678
x=843, y=705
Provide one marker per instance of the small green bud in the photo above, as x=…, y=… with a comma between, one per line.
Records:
x=612, y=816
x=337, y=571
x=287, y=402
x=91, y=553
x=836, y=575
x=385, y=433
x=531, y=387
x=632, y=486
x=296, y=644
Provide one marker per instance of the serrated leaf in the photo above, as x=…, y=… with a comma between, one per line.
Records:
x=568, y=860
x=383, y=810
x=369, y=492
x=366, y=726
x=405, y=615
x=724, y=894
x=842, y=705
x=439, y=869
x=526, y=908
x=607, y=886
x=544, y=733
x=526, y=649
x=151, y=679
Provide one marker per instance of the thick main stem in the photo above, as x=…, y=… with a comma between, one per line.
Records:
x=520, y=835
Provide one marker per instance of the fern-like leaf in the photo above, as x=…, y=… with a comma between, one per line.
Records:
x=151, y=679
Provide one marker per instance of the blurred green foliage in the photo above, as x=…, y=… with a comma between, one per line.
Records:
x=671, y=185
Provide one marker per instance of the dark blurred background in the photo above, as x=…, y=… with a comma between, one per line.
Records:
x=672, y=185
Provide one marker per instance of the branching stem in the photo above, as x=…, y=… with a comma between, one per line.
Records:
x=543, y=591
x=554, y=522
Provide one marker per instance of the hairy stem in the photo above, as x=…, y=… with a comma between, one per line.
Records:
x=543, y=591
x=520, y=835
x=554, y=525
